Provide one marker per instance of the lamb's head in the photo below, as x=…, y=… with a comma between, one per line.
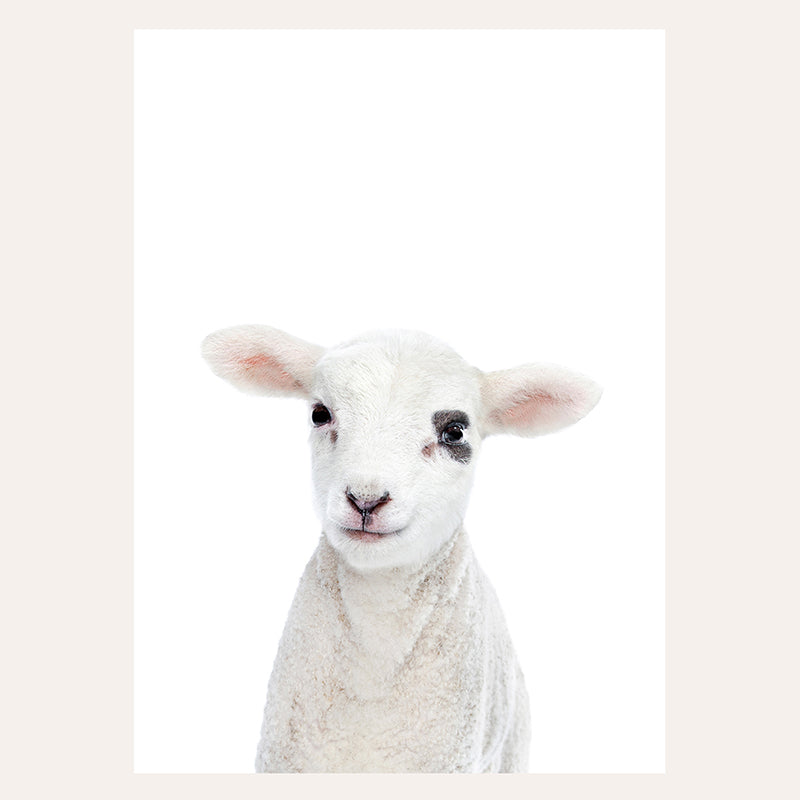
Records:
x=397, y=419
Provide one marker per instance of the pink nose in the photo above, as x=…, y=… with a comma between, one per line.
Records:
x=367, y=504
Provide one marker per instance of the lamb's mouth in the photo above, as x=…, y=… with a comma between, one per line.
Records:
x=363, y=535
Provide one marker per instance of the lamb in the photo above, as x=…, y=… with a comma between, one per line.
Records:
x=395, y=656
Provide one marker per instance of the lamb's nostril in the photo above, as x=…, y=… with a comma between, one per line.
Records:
x=368, y=504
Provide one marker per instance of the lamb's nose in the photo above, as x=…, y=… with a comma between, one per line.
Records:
x=367, y=504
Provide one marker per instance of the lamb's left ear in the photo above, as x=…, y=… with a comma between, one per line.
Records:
x=262, y=360
x=535, y=399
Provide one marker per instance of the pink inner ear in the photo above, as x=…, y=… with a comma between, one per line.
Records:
x=268, y=372
x=531, y=410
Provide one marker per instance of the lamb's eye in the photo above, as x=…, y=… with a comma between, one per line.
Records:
x=453, y=434
x=320, y=415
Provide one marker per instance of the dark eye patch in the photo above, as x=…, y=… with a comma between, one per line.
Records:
x=441, y=419
x=450, y=426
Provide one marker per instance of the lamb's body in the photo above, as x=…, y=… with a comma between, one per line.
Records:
x=404, y=671
x=396, y=656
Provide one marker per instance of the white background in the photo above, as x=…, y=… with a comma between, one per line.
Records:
x=503, y=190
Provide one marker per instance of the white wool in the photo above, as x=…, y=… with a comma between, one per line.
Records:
x=398, y=672
x=395, y=656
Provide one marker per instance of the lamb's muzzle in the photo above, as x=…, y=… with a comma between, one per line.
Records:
x=366, y=505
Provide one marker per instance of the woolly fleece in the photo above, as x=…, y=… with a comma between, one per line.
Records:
x=405, y=672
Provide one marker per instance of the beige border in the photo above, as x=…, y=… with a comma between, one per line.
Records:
x=66, y=566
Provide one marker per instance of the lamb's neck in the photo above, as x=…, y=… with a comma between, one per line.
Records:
x=387, y=609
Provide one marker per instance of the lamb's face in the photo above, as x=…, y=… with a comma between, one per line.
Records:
x=394, y=441
x=397, y=420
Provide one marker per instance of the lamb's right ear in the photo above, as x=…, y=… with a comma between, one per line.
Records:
x=535, y=398
x=262, y=360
